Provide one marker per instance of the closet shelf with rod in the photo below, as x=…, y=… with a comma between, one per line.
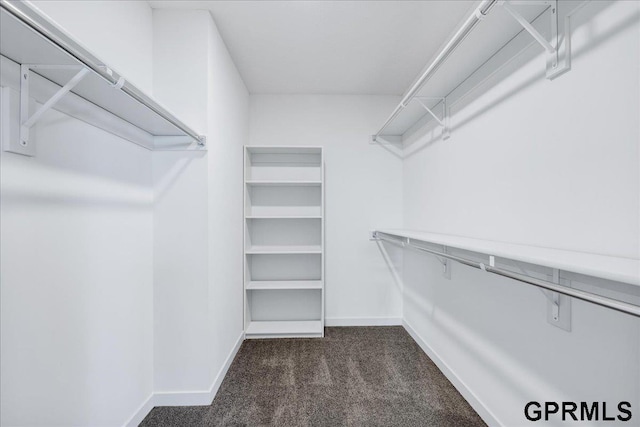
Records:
x=40, y=61
x=624, y=270
x=487, y=30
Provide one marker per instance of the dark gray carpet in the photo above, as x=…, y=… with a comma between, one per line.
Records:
x=365, y=376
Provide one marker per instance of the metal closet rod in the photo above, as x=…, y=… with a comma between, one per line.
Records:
x=483, y=9
x=22, y=13
x=613, y=304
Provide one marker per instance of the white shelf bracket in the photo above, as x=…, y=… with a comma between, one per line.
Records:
x=395, y=140
x=446, y=265
x=558, y=306
x=444, y=121
x=27, y=120
x=558, y=47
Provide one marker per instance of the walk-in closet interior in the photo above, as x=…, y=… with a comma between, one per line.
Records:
x=319, y=213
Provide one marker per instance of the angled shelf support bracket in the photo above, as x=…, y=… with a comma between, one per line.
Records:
x=28, y=120
x=386, y=139
x=558, y=305
x=444, y=121
x=558, y=48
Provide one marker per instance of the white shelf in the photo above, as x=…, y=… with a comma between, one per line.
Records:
x=283, y=217
x=284, y=183
x=284, y=250
x=283, y=285
x=276, y=329
x=290, y=149
x=626, y=270
x=20, y=44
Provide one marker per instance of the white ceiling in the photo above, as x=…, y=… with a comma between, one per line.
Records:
x=331, y=47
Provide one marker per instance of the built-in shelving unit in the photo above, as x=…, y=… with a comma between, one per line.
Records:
x=284, y=242
x=42, y=62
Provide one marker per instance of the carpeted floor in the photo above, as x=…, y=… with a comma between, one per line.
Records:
x=364, y=376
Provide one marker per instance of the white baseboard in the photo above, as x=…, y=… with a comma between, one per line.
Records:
x=223, y=370
x=363, y=321
x=181, y=398
x=486, y=414
x=186, y=398
x=142, y=412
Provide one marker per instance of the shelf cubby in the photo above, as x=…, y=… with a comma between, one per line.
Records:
x=284, y=164
x=285, y=304
x=283, y=199
x=283, y=266
x=275, y=232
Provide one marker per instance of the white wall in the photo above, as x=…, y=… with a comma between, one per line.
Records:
x=198, y=228
x=362, y=191
x=180, y=213
x=551, y=164
x=228, y=132
x=76, y=253
x=142, y=253
x=118, y=32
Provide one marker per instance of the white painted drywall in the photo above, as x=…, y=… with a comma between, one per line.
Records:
x=552, y=164
x=180, y=211
x=198, y=209
x=362, y=190
x=117, y=32
x=228, y=132
x=183, y=301
x=330, y=47
x=76, y=248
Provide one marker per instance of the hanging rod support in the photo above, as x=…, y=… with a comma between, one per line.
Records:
x=468, y=25
x=558, y=48
x=444, y=122
x=27, y=121
x=528, y=27
x=419, y=99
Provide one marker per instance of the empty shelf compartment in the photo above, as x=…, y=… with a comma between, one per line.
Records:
x=286, y=232
x=283, y=266
x=284, y=164
x=283, y=200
